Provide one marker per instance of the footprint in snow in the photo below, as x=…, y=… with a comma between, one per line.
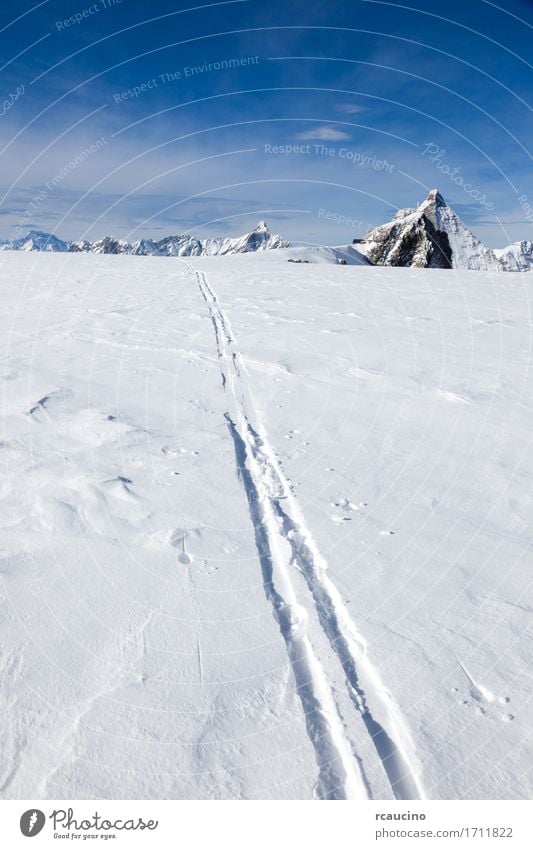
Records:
x=41, y=409
x=293, y=433
x=120, y=487
x=206, y=568
x=177, y=450
x=484, y=702
x=347, y=507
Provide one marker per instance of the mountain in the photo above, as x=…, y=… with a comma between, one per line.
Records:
x=516, y=257
x=260, y=239
x=107, y=245
x=429, y=236
x=35, y=240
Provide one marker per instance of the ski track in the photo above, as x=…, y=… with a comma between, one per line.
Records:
x=284, y=542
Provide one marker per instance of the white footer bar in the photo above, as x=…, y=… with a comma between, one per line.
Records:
x=267, y=825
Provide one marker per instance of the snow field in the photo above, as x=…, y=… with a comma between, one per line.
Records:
x=264, y=530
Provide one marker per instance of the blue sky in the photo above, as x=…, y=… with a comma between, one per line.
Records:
x=323, y=118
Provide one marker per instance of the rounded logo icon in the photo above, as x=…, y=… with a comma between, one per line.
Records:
x=32, y=822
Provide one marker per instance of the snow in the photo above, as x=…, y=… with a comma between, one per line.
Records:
x=517, y=257
x=468, y=252
x=264, y=529
x=341, y=254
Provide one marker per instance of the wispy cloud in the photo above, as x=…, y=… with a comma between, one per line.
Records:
x=349, y=108
x=324, y=133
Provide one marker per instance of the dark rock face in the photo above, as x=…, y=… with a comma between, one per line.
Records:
x=419, y=245
x=440, y=255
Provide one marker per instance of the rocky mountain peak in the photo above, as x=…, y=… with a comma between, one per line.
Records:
x=430, y=236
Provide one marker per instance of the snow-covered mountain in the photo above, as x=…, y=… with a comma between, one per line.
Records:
x=260, y=239
x=107, y=245
x=516, y=257
x=430, y=236
x=35, y=240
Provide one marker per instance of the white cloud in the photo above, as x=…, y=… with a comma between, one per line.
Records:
x=350, y=108
x=324, y=133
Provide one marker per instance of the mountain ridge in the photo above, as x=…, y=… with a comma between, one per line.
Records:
x=259, y=239
x=430, y=235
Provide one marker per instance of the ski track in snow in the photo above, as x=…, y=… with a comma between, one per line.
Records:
x=284, y=543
